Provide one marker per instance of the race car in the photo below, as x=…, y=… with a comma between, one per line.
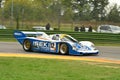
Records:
x=55, y=43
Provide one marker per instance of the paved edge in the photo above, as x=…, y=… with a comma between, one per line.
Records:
x=59, y=57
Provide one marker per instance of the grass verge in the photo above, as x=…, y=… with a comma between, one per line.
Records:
x=47, y=69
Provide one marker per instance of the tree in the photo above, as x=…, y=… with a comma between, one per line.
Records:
x=84, y=10
x=79, y=9
x=18, y=8
x=42, y=10
x=0, y=3
x=98, y=6
x=57, y=11
x=114, y=14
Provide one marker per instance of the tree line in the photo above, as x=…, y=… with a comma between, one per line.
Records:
x=59, y=10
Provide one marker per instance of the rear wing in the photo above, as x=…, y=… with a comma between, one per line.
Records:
x=21, y=35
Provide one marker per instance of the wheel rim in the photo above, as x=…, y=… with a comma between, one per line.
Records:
x=63, y=49
x=27, y=45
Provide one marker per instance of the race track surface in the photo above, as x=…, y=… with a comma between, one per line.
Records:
x=106, y=52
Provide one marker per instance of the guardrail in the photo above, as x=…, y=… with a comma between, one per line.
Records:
x=95, y=37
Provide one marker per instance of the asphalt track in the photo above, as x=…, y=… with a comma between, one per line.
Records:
x=108, y=54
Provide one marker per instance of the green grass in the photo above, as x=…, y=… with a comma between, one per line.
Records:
x=50, y=69
x=97, y=38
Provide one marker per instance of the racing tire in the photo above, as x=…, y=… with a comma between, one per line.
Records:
x=63, y=49
x=27, y=45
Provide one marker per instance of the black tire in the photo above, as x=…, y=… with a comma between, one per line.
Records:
x=63, y=49
x=27, y=45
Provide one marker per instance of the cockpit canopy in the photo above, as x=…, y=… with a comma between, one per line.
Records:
x=63, y=37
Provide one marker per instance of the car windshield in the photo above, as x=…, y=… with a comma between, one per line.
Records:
x=69, y=38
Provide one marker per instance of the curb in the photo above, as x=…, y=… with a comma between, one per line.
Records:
x=46, y=56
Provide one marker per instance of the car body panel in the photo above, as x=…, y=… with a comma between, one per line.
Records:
x=109, y=29
x=41, y=42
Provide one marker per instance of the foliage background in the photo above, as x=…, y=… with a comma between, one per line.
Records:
x=25, y=13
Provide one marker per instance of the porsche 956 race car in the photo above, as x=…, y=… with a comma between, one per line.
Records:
x=55, y=43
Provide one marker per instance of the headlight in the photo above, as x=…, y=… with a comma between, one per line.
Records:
x=84, y=48
x=93, y=45
x=81, y=45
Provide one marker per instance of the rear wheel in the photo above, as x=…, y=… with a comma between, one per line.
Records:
x=27, y=45
x=63, y=49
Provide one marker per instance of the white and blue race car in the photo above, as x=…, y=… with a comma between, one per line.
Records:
x=55, y=43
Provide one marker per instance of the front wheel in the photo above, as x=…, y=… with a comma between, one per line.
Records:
x=63, y=49
x=27, y=45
